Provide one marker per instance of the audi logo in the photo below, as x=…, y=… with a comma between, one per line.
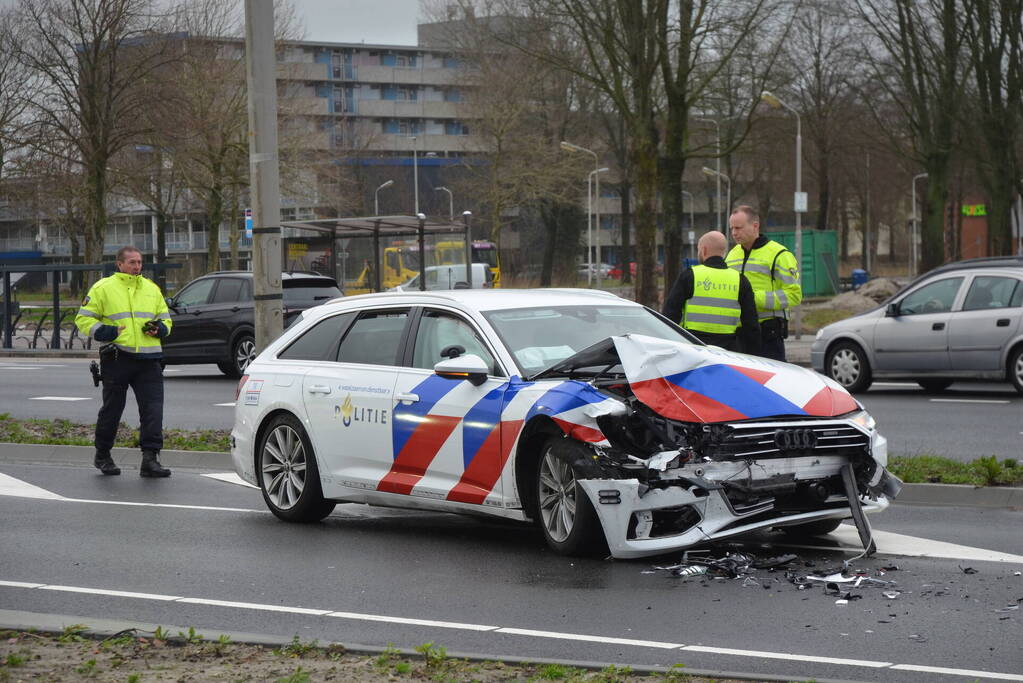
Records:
x=795, y=439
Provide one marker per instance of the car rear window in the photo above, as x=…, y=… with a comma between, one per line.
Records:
x=309, y=291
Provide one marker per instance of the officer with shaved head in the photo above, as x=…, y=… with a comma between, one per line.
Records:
x=715, y=302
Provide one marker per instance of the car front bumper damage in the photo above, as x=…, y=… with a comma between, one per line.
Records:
x=676, y=508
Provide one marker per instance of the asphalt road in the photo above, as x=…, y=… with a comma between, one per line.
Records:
x=967, y=421
x=196, y=551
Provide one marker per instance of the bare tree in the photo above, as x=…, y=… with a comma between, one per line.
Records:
x=995, y=39
x=15, y=80
x=921, y=69
x=88, y=55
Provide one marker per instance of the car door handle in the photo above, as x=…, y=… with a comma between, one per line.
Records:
x=938, y=326
x=235, y=309
x=1002, y=322
x=411, y=398
x=319, y=389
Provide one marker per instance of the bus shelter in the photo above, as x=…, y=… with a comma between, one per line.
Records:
x=373, y=253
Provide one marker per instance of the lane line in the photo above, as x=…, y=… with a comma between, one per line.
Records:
x=967, y=400
x=59, y=398
x=894, y=384
x=590, y=639
x=229, y=478
x=787, y=655
x=226, y=405
x=957, y=672
x=582, y=637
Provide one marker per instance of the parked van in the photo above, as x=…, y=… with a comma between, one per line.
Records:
x=451, y=277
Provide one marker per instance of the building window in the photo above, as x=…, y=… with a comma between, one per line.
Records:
x=452, y=95
x=408, y=94
x=456, y=128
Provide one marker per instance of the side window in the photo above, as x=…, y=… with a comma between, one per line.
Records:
x=374, y=338
x=438, y=332
x=991, y=292
x=318, y=342
x=229, y=290
x=1017, y=296
x=936, y=297
x=195, y=293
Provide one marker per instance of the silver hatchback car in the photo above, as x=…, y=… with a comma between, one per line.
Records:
x=962, y=320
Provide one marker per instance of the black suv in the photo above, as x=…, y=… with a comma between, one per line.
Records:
x=213, y=316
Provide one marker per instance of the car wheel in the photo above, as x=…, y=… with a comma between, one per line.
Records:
x=933, y=386
x=819, y=528
x=288, y=475
x=1016, y=369
x=243, y=352
x=563, y=510
x=847, y=364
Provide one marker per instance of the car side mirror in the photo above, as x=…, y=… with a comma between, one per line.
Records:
x=469, y=366
x=892, y=310
x=170, y=304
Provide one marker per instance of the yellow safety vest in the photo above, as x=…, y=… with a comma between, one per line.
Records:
x=774, y=295
x=129, y=301
x=714, y=306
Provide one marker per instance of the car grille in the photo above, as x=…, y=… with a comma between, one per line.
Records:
x=786, y=439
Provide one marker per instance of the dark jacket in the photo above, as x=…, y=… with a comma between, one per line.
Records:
x=748, y=334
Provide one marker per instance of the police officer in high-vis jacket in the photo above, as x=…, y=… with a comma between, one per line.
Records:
x=128, y=313
x=714, y=302
x=774, y=274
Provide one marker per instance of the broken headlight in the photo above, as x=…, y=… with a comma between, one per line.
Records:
x=863, y=419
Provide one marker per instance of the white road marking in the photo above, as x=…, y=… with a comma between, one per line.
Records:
x=589, y=638
x=166, y=370
x=889, y=543
x=894, y=384
x=966, y=400
x=17, y=367
x=230, y=478
x=59, y=398
x=16, y=488
x=787, y=655
x=958, y=672
x=228, y=405
x=582, y=637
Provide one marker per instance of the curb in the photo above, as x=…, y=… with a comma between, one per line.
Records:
x=947, y=495
x=99, y=629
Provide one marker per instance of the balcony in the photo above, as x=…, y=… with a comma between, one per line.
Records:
x=402, y=75
x=303, y=71
x=308, y=106
x=430, y=143
x=390, y=108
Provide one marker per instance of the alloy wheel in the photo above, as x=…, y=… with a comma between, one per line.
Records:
x=244, y=353
x=557, y=494
x=846, y=367
x=283, y=464
x=1017, y=370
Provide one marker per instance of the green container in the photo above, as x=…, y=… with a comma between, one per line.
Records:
x=819, y=269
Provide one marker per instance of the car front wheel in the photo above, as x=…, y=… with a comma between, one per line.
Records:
x=243, y=352
x=566, y=516
x=1016, y=369
x=847, y=364
x=288, y=475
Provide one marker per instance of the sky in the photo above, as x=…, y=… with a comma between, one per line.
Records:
x=389, y=22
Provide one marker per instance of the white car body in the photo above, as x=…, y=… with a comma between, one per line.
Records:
x=465, y=435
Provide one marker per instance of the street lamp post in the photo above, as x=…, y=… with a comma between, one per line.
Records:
x=799, y=200
x=595, y=173
x=415, y=170
x=707, y=171
x=376, y=197
x=569, y=147
x=915, y=229
x=717, y=152
x=692, y=223
x=451, y=202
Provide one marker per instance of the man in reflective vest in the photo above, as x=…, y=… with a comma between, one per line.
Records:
x=774, y=274
x=129, y=314
x=714, y=302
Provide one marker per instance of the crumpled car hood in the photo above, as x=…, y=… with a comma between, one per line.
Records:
x=708, y=384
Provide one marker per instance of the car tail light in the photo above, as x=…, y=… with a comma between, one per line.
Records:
x=238, y=389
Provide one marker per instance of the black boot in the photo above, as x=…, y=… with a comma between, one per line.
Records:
x=105, y=464
x=151, y=467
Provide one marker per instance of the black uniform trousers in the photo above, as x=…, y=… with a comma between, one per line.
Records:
x=145, y=377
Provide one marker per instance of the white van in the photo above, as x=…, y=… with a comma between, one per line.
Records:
x=451, y=277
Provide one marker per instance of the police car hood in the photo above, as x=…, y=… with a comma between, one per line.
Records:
x=694, y=383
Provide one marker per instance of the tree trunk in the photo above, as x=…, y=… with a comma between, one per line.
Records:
x=644, y=159
x=673, y=167
x=625, y=192
x=933, y=226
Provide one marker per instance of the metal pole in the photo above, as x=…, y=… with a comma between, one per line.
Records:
x=589, y=230
x=261, y=73
x=422, y=252
x=466, y=215
x=799, y=216
x=415, y=169
x=451, y=202
x=914, y=229
x=596, y=219
x=376, y=196
x=692, y=222
x=55, y=341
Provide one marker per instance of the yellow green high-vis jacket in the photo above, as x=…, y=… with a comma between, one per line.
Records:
x=128, y=301
x=772, y=270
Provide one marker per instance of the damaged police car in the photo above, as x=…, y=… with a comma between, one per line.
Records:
x=596, y=418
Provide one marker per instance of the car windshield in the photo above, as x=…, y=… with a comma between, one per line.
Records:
x=541, y=337
x=309, y=292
